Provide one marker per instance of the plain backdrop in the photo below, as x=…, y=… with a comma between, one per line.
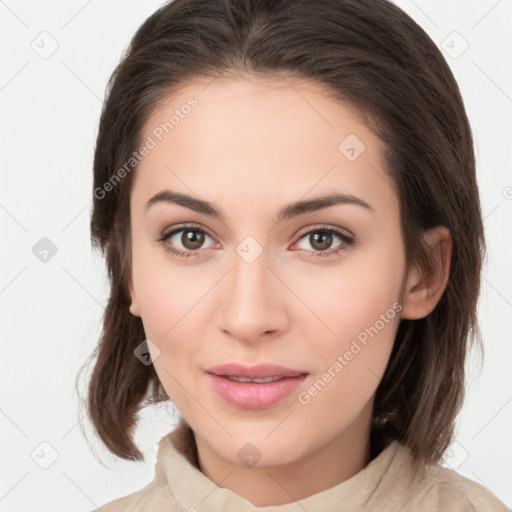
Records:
x=56, y=59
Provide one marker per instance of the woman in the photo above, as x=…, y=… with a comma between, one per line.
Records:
x=285, y=194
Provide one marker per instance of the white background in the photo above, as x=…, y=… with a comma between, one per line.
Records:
x=51, y=312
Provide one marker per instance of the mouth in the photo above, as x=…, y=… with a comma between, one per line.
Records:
x=247, y=379
x=260, y=371
x=255, y=387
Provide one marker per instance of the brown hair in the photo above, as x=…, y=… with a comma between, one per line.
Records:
x=374, y=56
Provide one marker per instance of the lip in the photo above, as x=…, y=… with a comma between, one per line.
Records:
x=253, y=395
x=259, y=371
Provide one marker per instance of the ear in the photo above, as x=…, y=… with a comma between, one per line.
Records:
x=422, y=296
x=134, y=308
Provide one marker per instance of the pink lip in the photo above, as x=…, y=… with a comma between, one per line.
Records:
x=253, y=395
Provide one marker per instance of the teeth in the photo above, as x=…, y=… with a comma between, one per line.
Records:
x=259, y=381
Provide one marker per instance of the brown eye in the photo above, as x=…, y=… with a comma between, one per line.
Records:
x=320, y=240
x=192, y=239
x=185, y=241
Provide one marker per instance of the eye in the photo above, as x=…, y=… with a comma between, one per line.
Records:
x=320, y=238
x=187, y=239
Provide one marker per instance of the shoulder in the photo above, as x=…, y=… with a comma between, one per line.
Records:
x=435, y=487
x=449, y=491
x=155, y=497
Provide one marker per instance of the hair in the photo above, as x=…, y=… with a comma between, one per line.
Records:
x=373, y=56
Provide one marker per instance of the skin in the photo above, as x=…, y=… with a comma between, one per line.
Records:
x=252, y=146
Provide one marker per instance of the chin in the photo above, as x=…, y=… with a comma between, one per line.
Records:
x=256, y=447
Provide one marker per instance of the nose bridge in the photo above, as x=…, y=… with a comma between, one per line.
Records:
x=251, y=305
x=250, y=274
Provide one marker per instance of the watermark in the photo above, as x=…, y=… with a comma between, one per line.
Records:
x=147, y=352
x=44, y=250
x=44, y=44
x=249, y=249
x=150, y=143
x=304, y=397
x=454, y=456
x=454, y=44
x=44, y=455
x=249, y=455
x=352, y=147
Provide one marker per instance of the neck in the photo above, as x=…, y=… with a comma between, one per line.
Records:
x=331, y=464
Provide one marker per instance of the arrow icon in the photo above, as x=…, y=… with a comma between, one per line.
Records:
x=44, y=455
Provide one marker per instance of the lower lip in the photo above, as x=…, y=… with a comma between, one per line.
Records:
x=252, y=395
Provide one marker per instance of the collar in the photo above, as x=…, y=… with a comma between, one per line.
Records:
x=192, y=490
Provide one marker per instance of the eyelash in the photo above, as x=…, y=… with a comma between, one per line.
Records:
x=347, y=241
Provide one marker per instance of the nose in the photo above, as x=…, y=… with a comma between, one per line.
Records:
x=253, y=302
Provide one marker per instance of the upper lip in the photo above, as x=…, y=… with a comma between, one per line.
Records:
x=259, y=371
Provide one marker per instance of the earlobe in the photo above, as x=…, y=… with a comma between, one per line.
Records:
x=422, y=295
x=134, y=308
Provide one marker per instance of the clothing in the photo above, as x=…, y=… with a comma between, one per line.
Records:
x=384, y=485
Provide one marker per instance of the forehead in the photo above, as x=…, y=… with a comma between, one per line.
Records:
x=245, y=138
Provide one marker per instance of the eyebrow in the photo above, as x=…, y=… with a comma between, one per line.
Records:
x=288, y=212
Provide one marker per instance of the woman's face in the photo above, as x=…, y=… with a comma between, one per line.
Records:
x=316, y=289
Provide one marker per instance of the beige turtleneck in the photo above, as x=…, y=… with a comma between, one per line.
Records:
x=384, y=485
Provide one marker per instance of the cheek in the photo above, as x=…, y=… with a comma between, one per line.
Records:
x=349, y=365
x=353, y=295
x=165, y=291
x=172, y=308
x=169, y=305
x=358, y=304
